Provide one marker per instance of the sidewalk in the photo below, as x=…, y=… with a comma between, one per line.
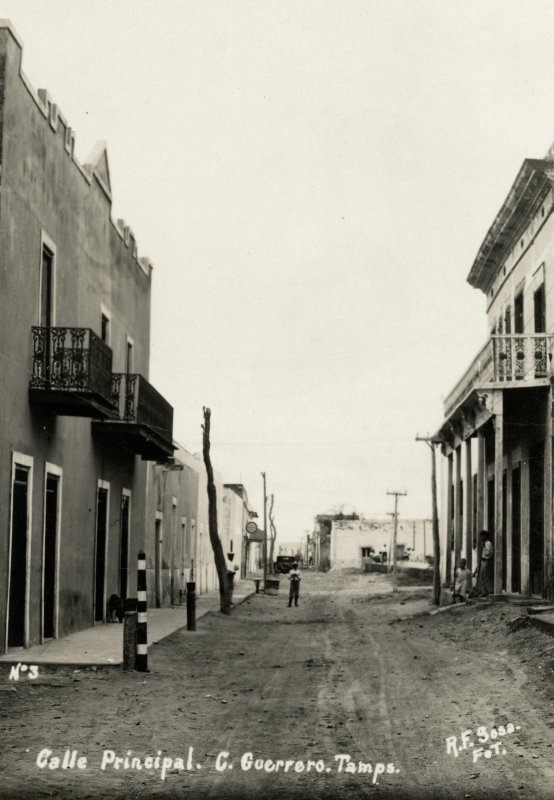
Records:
x=102, y=645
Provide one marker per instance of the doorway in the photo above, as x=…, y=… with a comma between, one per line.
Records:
x=158, y=558
x=124, y=544
x=100, y=565
x=19, y=545
x=50, y=551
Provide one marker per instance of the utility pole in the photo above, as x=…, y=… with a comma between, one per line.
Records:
x=432, y=441
x=265, y=531
x=396, y=494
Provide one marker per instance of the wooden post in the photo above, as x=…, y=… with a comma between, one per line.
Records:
x=394, y=537
x=191, y=606
x=129, y=640
x=265, y=531
x=457, y=508
x=548, y=587
x=481, y=477
x=525, y=519
x=436, y=536
x=498, y=475
x=449, y=510
x=508, y=523
x=468, y=515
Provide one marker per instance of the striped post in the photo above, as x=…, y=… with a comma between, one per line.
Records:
x=142, y=635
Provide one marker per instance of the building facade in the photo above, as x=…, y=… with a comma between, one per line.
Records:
x=237, y=513
x=79, y=420
x=352, y=542
x=497, y=430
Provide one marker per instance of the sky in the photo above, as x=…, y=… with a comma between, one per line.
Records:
x=312, y=181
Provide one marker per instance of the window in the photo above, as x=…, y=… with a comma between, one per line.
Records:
x=508, y=320
x=129, y=354
x=47, y=287
x=518, y=313
x=366, y=551
x=105, y=329
x=539, y=309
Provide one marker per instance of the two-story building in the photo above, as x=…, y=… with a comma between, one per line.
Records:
x=497, y=429
x=79, y=419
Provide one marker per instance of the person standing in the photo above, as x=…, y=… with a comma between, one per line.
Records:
x=462, y=583
x=294, y=585
x=486, y=566
x=231, y=569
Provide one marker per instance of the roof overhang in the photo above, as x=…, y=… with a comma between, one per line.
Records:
x=533, y=181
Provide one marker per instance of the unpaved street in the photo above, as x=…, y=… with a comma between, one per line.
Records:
x=352, y=694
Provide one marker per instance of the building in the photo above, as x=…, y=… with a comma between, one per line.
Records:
x=171, y=524
x=237, y=513
x=321, y=538
x=352, y=541
x=497, y=430
x=79, y=419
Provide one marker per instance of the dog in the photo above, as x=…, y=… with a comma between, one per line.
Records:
x=116, y=609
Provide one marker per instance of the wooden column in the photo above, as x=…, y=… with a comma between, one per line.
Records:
x=481, y=478
x=509, y=500
x=498, y=475
x=448, y=545
x=525, y=512
x=547, y=580
x=468, y=515
x=458, y=508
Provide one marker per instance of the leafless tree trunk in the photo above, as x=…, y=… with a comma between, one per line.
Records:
x=220, y=563
x=273, y=535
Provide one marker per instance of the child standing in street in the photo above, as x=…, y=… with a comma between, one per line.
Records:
x=462, y=582
x=294, y=586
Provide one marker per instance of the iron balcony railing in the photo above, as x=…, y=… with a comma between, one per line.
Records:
x=136, y=401
x=505, y=359
x=71, y=359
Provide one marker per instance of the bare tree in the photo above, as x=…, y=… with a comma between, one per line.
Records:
x=219, y=557
x=272, y=533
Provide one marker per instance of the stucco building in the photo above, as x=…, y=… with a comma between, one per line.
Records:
x=79, y=420
x=497, y=429
x=353, y=541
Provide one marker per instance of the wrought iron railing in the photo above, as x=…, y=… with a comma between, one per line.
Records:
x=519, y=357
x=136, y=400
x=504, y=359
x=72, y=359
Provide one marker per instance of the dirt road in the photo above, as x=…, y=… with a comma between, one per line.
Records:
x=352, y=694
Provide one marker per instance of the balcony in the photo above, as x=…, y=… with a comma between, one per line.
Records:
x=506, y=361
x=142, y=420
x=71, y=372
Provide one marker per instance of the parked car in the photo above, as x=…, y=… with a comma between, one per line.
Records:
x=284, y=564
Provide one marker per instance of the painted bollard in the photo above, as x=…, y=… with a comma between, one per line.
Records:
x=142, y=630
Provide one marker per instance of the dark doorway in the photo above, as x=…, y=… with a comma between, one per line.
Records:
x=518, y=313
x=516, y=529
x=539, y=310
x=536, y=519
x=50, y=553
x=158, y=562
x=100, y=573
x=124, y=546
x=504, y=528
x=18, y=558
